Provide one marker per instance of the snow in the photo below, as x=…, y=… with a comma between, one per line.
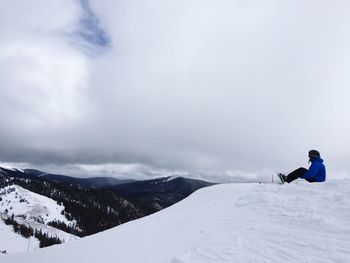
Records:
x=51, y=231
x=34, y=206
x=7, y=167
x=170, y=178
x=298, y=222
x=14, y=243
x=28, y=207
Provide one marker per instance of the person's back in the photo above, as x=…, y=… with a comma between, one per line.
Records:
x=316, y=172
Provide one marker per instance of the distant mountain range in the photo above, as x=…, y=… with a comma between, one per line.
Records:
x=154, y=194
x=97, y=182
x=159, y=193
x=99, y=203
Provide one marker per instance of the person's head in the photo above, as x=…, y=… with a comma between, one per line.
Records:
x=314, y=154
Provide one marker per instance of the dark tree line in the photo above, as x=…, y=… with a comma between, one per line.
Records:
x=44, y=239
x=64, y=227
x=19, y=228
x=93, y=210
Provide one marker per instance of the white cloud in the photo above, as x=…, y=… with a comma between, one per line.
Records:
x=43, y=80
x=200, y=85
x=35, y=17
x=44, y=77
x=236, y=84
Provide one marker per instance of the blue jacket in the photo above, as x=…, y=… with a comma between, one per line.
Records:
x=316, y=172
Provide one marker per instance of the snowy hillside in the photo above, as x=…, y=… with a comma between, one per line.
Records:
x=32, y=210
x=19, y=201
x=299, y=222
x=14, y=243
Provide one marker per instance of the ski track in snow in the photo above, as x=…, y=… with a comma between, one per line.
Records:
x=298, y=222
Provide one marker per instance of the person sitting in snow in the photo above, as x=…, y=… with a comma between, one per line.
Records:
x=316, y=172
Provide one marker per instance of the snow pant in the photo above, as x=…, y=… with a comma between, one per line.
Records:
x=297, y=174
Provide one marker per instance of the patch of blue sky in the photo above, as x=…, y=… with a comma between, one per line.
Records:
x=90, y=37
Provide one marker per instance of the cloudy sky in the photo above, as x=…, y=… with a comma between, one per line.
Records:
x=219, y=89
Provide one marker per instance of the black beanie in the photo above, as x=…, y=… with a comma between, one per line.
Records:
x=314, y=154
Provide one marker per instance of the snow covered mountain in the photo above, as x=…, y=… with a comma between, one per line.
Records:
x=96, y=182
x=298, y=222
x=33, y=211
x=31, y=206
x=150, y=195
x=161, y=192
x=94, y=210
x=34, y=201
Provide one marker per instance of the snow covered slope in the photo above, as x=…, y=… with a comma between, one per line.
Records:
x=297, y=222
x=32, y=210
x=19, y=201
x=14, y=243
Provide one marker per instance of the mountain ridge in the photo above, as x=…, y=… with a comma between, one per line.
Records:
x=96, y=209
x=226, y=223
x=30, y=214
